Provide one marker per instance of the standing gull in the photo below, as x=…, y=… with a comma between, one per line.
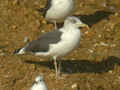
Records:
x=57, y=43
x=57, y=10
x=39, y=84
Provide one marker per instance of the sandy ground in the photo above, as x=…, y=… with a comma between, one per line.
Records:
x=93, y=66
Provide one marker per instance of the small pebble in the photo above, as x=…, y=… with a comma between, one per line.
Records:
x=113, y=45
x=116, y=14
x=96, y=44
x=104, y=4
x=103, y=44
x=14, y=27
x=99, y=35
x=74, y=85
x=72, y=58
x=110, y=71
x=44, y=22
x=2, y=54
x=38, y=23
x=42, y=6
x=90, y=50
x=118, y=77
x=42, y=31
x=26, y=39
x=86, y=32
x=16, y=2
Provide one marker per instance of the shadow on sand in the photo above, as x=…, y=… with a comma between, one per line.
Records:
x=95, y=17
x=92, y=18
x=82, y=66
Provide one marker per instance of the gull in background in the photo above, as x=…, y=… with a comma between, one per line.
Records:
x=39, y=84
x=57, y=10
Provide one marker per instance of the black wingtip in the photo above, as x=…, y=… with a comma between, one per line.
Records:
x=16, y=51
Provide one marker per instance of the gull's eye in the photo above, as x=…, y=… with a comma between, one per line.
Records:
x=73, y=21
x=80, y=27
x=40, y=80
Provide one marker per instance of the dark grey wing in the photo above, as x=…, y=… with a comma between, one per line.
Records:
x=43, y=42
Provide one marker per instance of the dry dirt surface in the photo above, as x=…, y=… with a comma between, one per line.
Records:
x=93, y=66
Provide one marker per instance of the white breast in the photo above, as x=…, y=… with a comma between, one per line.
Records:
x=60, y=9
x=70, y=40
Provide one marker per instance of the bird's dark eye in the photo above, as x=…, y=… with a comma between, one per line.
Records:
x=73, y=21
x=41, y=80
x=80, y=27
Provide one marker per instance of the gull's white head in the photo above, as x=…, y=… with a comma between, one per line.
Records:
x=39, y=79
x=74, y=22
x=39, y=84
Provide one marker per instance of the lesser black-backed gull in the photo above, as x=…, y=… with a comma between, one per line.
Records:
x=39, y=84
x=58, y=10
x=57, y=43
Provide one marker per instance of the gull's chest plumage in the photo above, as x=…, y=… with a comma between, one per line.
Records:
x=60, y=9
x=69, y=41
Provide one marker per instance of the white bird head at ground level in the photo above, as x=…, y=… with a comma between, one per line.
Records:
x=56, y=43
x=39, y=84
